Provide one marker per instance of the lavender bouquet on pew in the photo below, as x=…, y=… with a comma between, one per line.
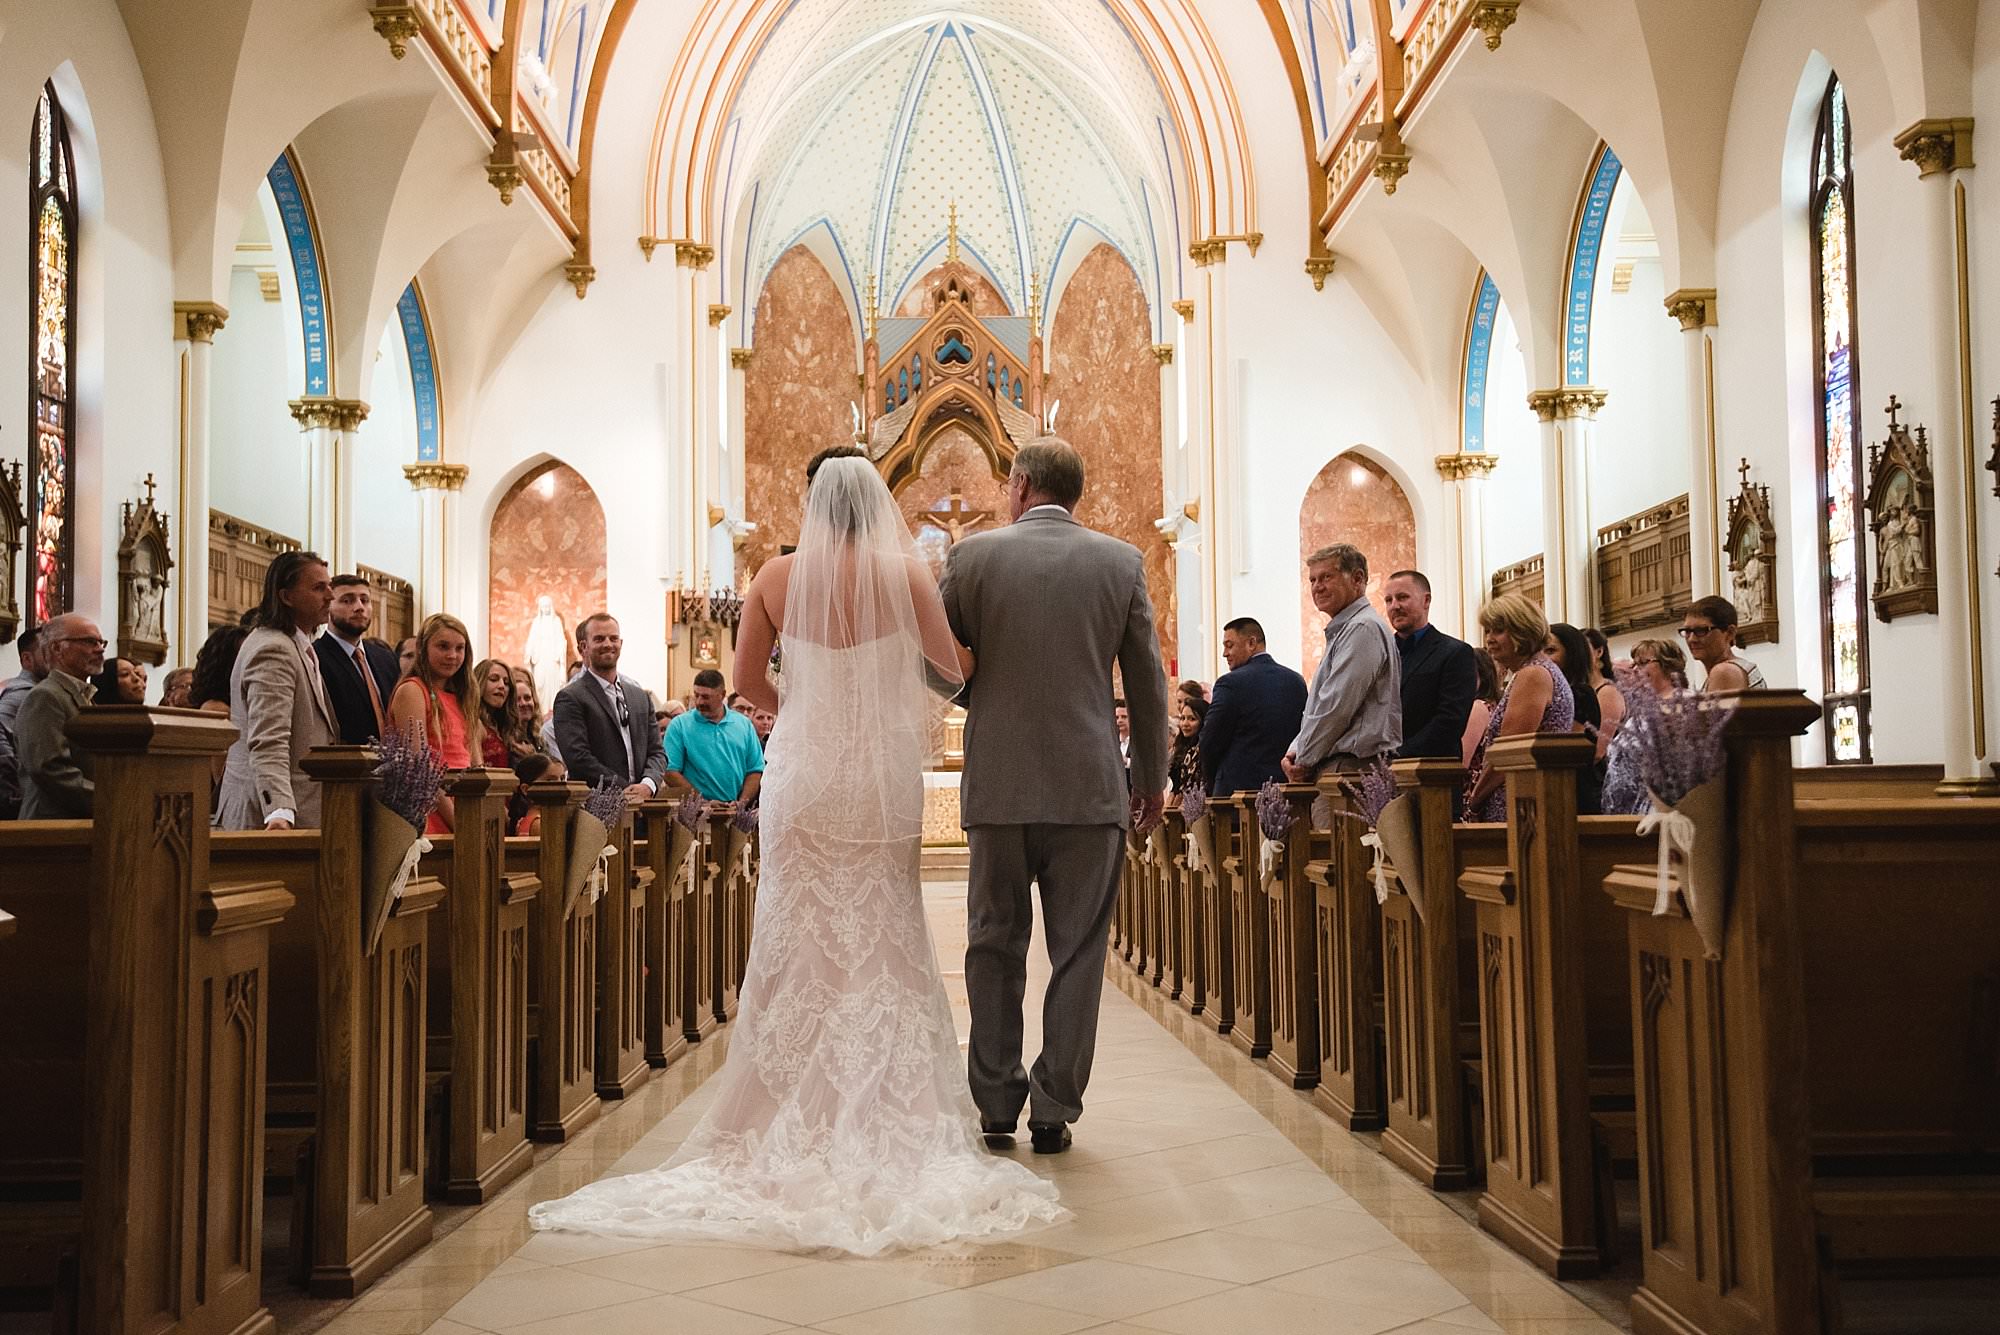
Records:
x=1392, y=835
x=590, y=846
x=409, y=777
x=686, y=821
x=742, y=827
x=1274, y=822
x=1200, y=831
x=1668, y=762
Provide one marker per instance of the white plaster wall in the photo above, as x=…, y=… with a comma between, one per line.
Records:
x=125, y=358
x=387, y=535
x=257, y=453
x=1513, y=491
x=1642, y=456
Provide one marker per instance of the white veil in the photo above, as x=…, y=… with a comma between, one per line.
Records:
x=865, y=642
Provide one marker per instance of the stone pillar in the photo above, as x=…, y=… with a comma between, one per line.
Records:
x=1211, y=452
x=327, y=424
x=736, y=455
x=1466, y=473
x=1187, y=379
x=437, y=488
x=1942, y=152
x=1569, y=432
x=1694, y=307
x=195, y=326
x=687, y=518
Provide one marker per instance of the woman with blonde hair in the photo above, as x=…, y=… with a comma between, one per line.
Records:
x=1661, y=664
x=439, y=703
x=506, y=739
x=1537, y=697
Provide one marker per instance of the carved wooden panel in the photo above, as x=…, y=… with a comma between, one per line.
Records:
x=395, y=604
x=1752, y=550
x=144, y=560
x=1902, y=513
x=1645, y=571
x=1523, y=577
x=239, y=554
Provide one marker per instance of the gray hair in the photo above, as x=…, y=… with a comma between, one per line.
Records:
x=1347, y=558
x=1053, y=469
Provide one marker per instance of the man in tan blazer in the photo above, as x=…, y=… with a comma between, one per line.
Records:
x=1047, y=607
x=278, y=701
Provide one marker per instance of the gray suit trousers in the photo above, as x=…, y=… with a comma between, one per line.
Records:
x=1077, y=869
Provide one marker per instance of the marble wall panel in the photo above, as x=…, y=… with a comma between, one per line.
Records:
x=547, y=538
x=797, y=393
x=1101, y=366
x=1353, y=500
x=953, y=464
x=921, y=299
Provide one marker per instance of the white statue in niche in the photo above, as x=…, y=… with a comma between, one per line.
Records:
x=547, y=651
x=147, y=621
x=1902, y=548
x=1749, y=592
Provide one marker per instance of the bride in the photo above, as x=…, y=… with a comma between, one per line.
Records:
x=842, y=1117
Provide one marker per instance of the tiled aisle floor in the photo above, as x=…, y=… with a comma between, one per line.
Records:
x=1208, y=1197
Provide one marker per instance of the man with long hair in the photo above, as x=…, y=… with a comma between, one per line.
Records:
x=278, y=699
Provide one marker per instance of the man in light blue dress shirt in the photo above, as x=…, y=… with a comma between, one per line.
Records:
x=1354, y=709
x=714, y=750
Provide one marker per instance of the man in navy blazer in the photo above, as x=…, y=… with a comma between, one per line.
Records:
x=1253, y=715
x=1439, y=676
x=359, y=694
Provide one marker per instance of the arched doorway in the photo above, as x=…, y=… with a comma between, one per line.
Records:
x=547, y=541
x=1353, y=500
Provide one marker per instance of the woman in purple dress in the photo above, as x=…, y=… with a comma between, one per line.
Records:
x=1537, y=697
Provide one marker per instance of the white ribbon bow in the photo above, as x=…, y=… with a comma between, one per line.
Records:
x=1677, y=833
x=600, y=875
x=1269, y=854
x=401, y=880
x=1372, y=840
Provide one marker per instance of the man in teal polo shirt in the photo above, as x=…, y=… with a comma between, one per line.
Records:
x=714, y=750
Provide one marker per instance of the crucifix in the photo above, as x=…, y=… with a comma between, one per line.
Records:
x=958, y=521
x=1895, y=406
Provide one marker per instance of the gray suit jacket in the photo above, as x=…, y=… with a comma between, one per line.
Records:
x=281, y=715
x=587, y=731
x=1047, y=606
x=55, y=776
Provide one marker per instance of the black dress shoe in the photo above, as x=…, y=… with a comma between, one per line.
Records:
x=1049, y=1139
x=999, y=1135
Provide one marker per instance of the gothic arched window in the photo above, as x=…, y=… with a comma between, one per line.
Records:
x=1842, y=549
x=52, y=370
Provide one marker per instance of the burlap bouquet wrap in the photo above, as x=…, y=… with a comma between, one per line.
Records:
x=1397, y=838
x=391, y=849
x=1692, y=852
x=590, y=854
x=680, y=843
x=736, y=855
x=1201, y=844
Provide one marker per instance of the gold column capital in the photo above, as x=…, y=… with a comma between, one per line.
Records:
x=1494, y=17
x=1319, y=268
x=1185, y=309
x=647, y=244
x=504, y=175
x=435, y=477
x=739, y=358
x=1937, y=144
x=693, y=254
x=1163, y=353
x=397, y=24
x=1570, y=401
x=320, y=410
x=1694, y=307
x=1390, y=169
x=717, y=314
x=581, y=274
x=198, y=321
x=1466, y=465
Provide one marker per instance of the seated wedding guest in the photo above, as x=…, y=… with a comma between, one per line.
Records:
x=406, y=656
x=1710, y=631
x=277, y=697
x=1604, y=685
x=1485, y=695
x=1121, y=718
x=121, y=682
x=208, y=691
x=1661, y=665
x=1570, y=652
x=763, y=720
x=713, y=750
x=527, y=701
x=1437, y=671
x=174, y=688
x=1253, y=713
x=360, y=673
x=1184, y=756
x=1537, y=697
x=604, y=719
x=438, y=703
x=523, y=816
x=505, y=742
x=12, y=695
x=55, y=780
x=738, y=705
x=1354, y=707
x=1195, y=689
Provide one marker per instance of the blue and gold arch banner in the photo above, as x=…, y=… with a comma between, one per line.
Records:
x=1478, y=358
x=423, y=371
x=307, y=275
x=1590, y=222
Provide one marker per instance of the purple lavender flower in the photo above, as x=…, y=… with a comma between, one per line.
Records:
x=1274, y=811
x=745, y=821
x=409, y=776
x=607, y=803
x=1666, y=747
x=1370, y=790
x=1194, y=805
x=691, y=811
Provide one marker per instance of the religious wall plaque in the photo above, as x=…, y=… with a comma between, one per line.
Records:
x=1902, y=512
x=143, y=562
x=1752, y=548
x=13, y=521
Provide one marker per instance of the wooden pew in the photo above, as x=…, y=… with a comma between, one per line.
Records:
x=1821, y=1099
x=1173, y=922
x=1554, y=1008
x=478, y=1003
x=1190, y=920
x=1430, y=1013
x=1346, y=930
x=562, y=973
x=346, y=1073
x=1847, y=782
x=1236, y=841
x=1132, y=907
x=723, y=918
x=134, y=999
x=1219, y=914
x=1291, y=905
x=676, y=1013
x=621, y=965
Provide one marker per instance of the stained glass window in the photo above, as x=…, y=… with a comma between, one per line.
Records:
x=1843, y=555
x=52, y=375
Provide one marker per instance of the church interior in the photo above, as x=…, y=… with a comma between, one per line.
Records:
x=520, y=311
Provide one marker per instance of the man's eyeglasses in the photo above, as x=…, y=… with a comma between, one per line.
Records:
x=94, y=641
x=1695, y=632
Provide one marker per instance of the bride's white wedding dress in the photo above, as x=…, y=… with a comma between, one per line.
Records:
x=842, y=1117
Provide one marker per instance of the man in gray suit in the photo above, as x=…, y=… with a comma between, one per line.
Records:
x=1047, y=607
x=278, y=701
